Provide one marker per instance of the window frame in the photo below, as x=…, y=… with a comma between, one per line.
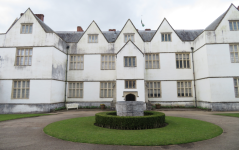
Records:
x=131, y=61
x=236, y=86
x=237, y=25
x=185, y=53
x=148, y=85
x=146, y=55
x=131, y=83
x=26, y=80
x=91, y=38
x=112, y=88
x=112, y=56
x=166, y=33
x=70, y=68
x=184, y=88
x=25, y=24
x=16, y=56
x=68, y=94
x=234, y=53
x=127, y=34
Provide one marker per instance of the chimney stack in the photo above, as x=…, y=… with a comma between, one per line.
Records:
x=147, y=29
x=112, y=29
x=238, y=7
x=79, y=29
x=40, y=16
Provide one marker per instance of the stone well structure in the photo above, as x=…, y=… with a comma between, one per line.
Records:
x=130, y=108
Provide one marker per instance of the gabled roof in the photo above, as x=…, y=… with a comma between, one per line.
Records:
x=147, y=35
x=70, y=36
x=12, y=24
x=126, y=44
x=188, y=35
x=111, y=35
x=213, y=26
x=44, y=26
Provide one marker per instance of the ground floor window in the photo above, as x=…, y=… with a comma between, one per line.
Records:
x=106, y=89
x=20, y=89
x=75, y=90
x=236, y=84
x=154, y=89
x=184, y=88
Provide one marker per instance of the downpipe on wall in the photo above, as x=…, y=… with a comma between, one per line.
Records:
x=67, y=48
x=194, y=79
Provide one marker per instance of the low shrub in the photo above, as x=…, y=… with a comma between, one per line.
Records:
x=150, y=120
x=60, y=108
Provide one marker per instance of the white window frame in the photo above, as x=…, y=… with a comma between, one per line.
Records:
x=133, y=84
x=166, y=37
x=23, y=57
x=234, y=52
x=183, y=62
x=76, y=62
x=154, y=87
x=234, y=25
x=152, y=61
x=93, y=38
x=21, y=86
x=27, y=26
x=236, y=87
x=72, y=89
x=128, y=36
x=184, y=89
x=130, y=59
x=107, y=62
x=107, y=89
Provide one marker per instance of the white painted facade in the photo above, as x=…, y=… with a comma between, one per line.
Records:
x=50, y=72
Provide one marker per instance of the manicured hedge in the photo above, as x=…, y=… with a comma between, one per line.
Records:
x=151, y=119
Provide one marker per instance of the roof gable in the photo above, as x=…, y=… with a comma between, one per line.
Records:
x=213, y=26
x=127, y=44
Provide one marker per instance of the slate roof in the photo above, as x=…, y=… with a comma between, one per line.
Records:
x=188, y=35
x=70, y=36
x=147, y=35
x=215, y=23
x=44, y=26
x=111, y=35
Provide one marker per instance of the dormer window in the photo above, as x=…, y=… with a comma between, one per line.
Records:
x=93, y=38
x=128, y=36
x=234, y=25
x=26, y=28
x=166, y=37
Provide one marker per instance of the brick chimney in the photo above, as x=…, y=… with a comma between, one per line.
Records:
x=238, y=7
x=79, y=29
x=147, y=29
x=40, y=16
x=112, y=29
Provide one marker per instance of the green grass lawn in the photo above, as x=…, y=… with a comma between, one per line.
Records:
x=178, y=131
x=4, y=117
x=229, y=114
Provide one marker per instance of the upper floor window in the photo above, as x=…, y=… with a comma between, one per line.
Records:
x=75, y=90
x=106, y=89
x=130, y=84
x=234, y=50
x=20, y=89
x=234, y=25
x=93, y=38
x=182, y=61
x=24, y=57
x=26, y=28
x=107, y=62
x=128, y=36
x=184, y=88
x=130, y=61
x=236, y=86
x=77, y=62
x=166, y=37
x=152, y=61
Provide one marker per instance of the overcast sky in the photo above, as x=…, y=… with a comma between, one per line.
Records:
x=112, y=14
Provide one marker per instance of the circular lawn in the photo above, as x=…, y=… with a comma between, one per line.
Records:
x=178, y=131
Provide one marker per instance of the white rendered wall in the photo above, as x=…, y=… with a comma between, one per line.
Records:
x=57, y=91
x=91, y=92
x=130, y=72
x=140, y=88
x=92, y=70
x=58, y=65
x=203, y=88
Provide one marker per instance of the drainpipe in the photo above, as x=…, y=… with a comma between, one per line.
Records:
x=194, y=78
x=67, y=48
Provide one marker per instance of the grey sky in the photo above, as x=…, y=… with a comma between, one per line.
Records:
x=112, y=14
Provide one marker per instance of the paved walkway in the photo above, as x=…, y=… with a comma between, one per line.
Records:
x=27, y=133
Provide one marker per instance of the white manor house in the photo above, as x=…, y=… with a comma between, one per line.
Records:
x=42, y=69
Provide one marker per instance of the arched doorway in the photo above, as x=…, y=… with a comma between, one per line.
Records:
x=130, y=97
